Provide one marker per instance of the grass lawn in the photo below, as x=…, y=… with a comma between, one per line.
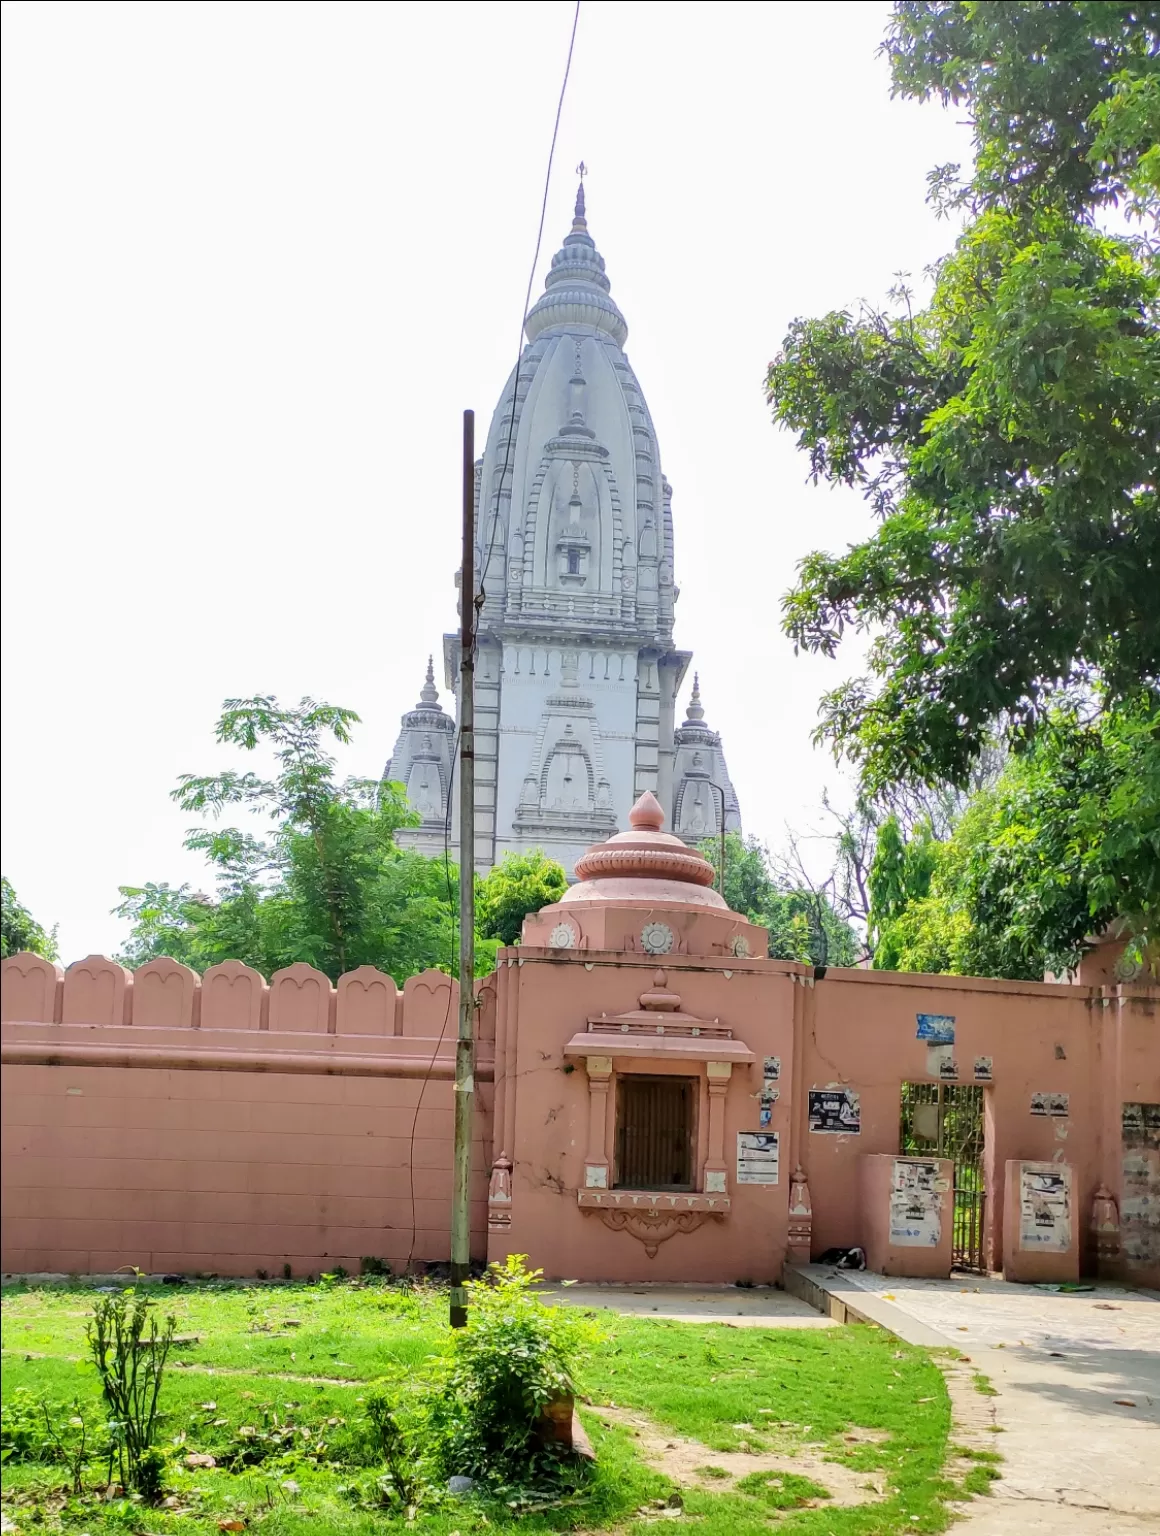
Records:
x=290, y=1364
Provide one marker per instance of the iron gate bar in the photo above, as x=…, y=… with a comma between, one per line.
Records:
x=959, y=1135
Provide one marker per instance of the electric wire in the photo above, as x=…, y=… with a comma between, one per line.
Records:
x=478, y=599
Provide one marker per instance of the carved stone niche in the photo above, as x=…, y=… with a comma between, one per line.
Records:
x=652, y=1228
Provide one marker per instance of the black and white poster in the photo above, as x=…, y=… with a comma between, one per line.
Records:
x=771, y=1069
x=757, y=1157
x=984, y=1069
x=1053, y=1104
x=835, y=1110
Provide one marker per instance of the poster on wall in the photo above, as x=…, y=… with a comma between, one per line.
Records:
x=1044, y=1210
x=936, y=1028
x=771, y=1069
x=1140, y=1202
x=915, y=1214
x=940, y=1063
x=984, y=1069
x=757, y=1157
x=1053, y=1104
x=835, y=1110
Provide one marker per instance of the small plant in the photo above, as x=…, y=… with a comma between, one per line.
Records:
x=129, y=1349
x=287, y=1272
x=401, y=1483
x=33, y=1429
x=514, y=1358
x=374, y=1268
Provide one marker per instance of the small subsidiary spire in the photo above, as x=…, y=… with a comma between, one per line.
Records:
x=429, y=694
x=696, y=710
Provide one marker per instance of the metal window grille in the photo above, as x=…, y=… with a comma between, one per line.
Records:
x=654, y=1132
x=946, y=1120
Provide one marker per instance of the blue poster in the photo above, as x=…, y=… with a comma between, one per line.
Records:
x=936, y=1028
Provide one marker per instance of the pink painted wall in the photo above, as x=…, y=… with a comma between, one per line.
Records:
x=222, y=1125
x=230, y=1123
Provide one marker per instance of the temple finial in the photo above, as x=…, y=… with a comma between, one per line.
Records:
x=581, y=171
x=696, y=710
x=429, y=694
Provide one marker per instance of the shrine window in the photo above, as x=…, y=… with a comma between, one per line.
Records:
x=573, y=562
x=655, y=1132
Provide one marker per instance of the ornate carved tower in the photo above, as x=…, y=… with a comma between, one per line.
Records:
x=577, y=673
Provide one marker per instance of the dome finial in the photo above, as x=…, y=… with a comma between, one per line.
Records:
x=696, y=710
x=579, y=222
x=429, y=694
x=647, y=813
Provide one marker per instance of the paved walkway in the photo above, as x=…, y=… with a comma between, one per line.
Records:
x=1078, y=1404
x=761, y=1307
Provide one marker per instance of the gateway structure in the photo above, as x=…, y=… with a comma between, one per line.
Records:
x=578, y=671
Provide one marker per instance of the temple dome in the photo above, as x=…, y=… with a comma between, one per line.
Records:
x=644, y=865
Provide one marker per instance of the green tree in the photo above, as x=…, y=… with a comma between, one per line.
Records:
x=1006, y=433
x=900, y=875
x=800, y=919
x=1066, y=844
x=19, y=930
x=520, y=883
x=326, y=883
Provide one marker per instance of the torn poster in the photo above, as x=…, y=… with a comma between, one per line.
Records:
x=915, y=1214
x=757, y=1157
x=1054, y=1104
x=936, y=1028
x=765, y=1115
x=1140, y=1202
x=1044, y=1209
x=835, y=1109
x=771, y=1069
x=984, y=1069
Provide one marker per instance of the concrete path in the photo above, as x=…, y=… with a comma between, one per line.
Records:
x=1078, y=1404
x=761, y=1307
x=1076, y=1377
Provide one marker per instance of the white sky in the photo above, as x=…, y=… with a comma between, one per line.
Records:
x=259, y=257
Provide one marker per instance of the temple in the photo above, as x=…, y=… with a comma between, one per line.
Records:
x=578, y=673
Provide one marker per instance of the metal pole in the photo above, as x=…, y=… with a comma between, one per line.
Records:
x=465, y=1046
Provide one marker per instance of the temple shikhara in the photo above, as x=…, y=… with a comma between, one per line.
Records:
x=578, y=672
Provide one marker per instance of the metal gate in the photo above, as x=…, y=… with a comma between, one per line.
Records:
x=654, y=1132
x=946, y=1120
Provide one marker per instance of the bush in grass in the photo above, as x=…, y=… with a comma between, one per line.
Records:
x=129, y=1349
x=36, y=1430
x=515, y=1356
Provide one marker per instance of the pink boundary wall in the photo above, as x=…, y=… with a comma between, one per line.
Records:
x=225, y=1124
x=220, y=1124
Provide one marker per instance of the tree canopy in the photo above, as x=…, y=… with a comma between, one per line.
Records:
x=801, y=920
x=325, y=882
x=1006, y=434
x=1063, y=846
x=19, y=930
x=520, y=883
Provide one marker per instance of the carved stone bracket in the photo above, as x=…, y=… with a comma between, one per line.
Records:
x=652, y=1228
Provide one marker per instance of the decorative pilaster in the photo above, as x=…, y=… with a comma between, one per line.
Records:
x=1105, y=1230
x=718, y=1074
x=801, y=1219
x=499, y=1196
x=596, y=1162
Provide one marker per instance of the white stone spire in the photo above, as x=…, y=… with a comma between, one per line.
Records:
x=429, y=694
x=577, y=671
x=576, y=289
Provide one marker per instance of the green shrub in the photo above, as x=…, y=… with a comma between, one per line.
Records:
x=515, y=1356
x=33, y=1429
x=129, y=1350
